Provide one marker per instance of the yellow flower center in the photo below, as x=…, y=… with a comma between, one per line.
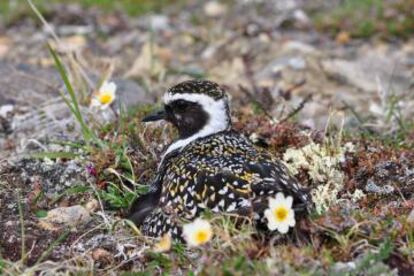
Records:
x=281, y=213
x=105, y=98
x=202, y=237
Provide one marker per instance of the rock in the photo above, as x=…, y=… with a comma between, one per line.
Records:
x=39, y=111
x=131, y=93
x=285, y=5
x=92, y=205
x=342, y=268
x=27, y=85
x=214, y=9
x=298, y=46
x=69, y=44
x=301, y=18
x=34, y=87
x=275, y=67
x=105, y=241
x=65, y=217
x=159, y=22
x=372, y=187
x=364, y=70
x=148, y=62
x=102, y=256
x=5, y=109
x=54, y=177
x=343, y=37
x=5, y=45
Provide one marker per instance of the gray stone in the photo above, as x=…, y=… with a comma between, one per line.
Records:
x=341, y=267
x=38, y=109
x=372, y=187
x=65, y=216
x=275, y=67
x=28, y=85
x=54, y=177
x=366, y=68
x=159, y=22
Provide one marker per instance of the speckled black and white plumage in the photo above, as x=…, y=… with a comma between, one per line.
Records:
x=221, y=171
x=205, y=87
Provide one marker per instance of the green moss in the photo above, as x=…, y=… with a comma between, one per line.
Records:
x=365, y=18
x=13, y=11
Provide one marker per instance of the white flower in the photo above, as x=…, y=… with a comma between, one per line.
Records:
x=280, y=214
x=198, y=232
x=105, y=95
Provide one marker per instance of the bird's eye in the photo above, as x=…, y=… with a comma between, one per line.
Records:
x=181, y=105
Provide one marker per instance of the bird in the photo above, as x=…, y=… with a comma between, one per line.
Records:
x=209, y=166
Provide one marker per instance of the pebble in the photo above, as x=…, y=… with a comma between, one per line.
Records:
x=214, y=9
x=5, y=109
x=65, y=216
x=372, y=187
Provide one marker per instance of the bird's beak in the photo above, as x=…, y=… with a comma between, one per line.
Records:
x=155, y=116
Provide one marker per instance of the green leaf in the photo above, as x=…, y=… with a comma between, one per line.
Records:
x=73, y=104
x=54, y=155
x=56, y=242
x=41, y=213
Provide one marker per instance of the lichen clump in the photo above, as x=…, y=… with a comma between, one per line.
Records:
x=322, y=165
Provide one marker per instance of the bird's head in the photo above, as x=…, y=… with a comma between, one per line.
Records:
x=197, y=108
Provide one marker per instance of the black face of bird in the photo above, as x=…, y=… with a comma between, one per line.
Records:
x=188, y=117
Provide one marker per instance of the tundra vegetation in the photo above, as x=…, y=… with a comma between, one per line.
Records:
x=327, y=86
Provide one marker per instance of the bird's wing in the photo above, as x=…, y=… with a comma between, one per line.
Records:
x=223, y=190
x=158, y=222
x=274, y=177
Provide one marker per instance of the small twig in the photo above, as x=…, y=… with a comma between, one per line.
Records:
x=360, y=120
x=297, y=109
x=354, y=112
x=287, y=93
x=259, y=104
x=56, y=242
x=23, y=249
x=104, y=217
x=36, y=142
x=248, y=72
x=44, y=22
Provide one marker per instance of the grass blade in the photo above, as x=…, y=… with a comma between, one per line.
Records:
x=73, y=105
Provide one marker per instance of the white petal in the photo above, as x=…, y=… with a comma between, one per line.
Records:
x=268, y=214
x=272, y=202
x=289, y=201
x=283, y=228
x=272, y=225
x=291, y=220
x=104, y=106
x=271, y=222
x=276, y=202
x=189, y=228
x=280, y=197
x=95, y=102
x=108, y=87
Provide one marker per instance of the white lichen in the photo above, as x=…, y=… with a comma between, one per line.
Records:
x=357, y=195
x=321, y=163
